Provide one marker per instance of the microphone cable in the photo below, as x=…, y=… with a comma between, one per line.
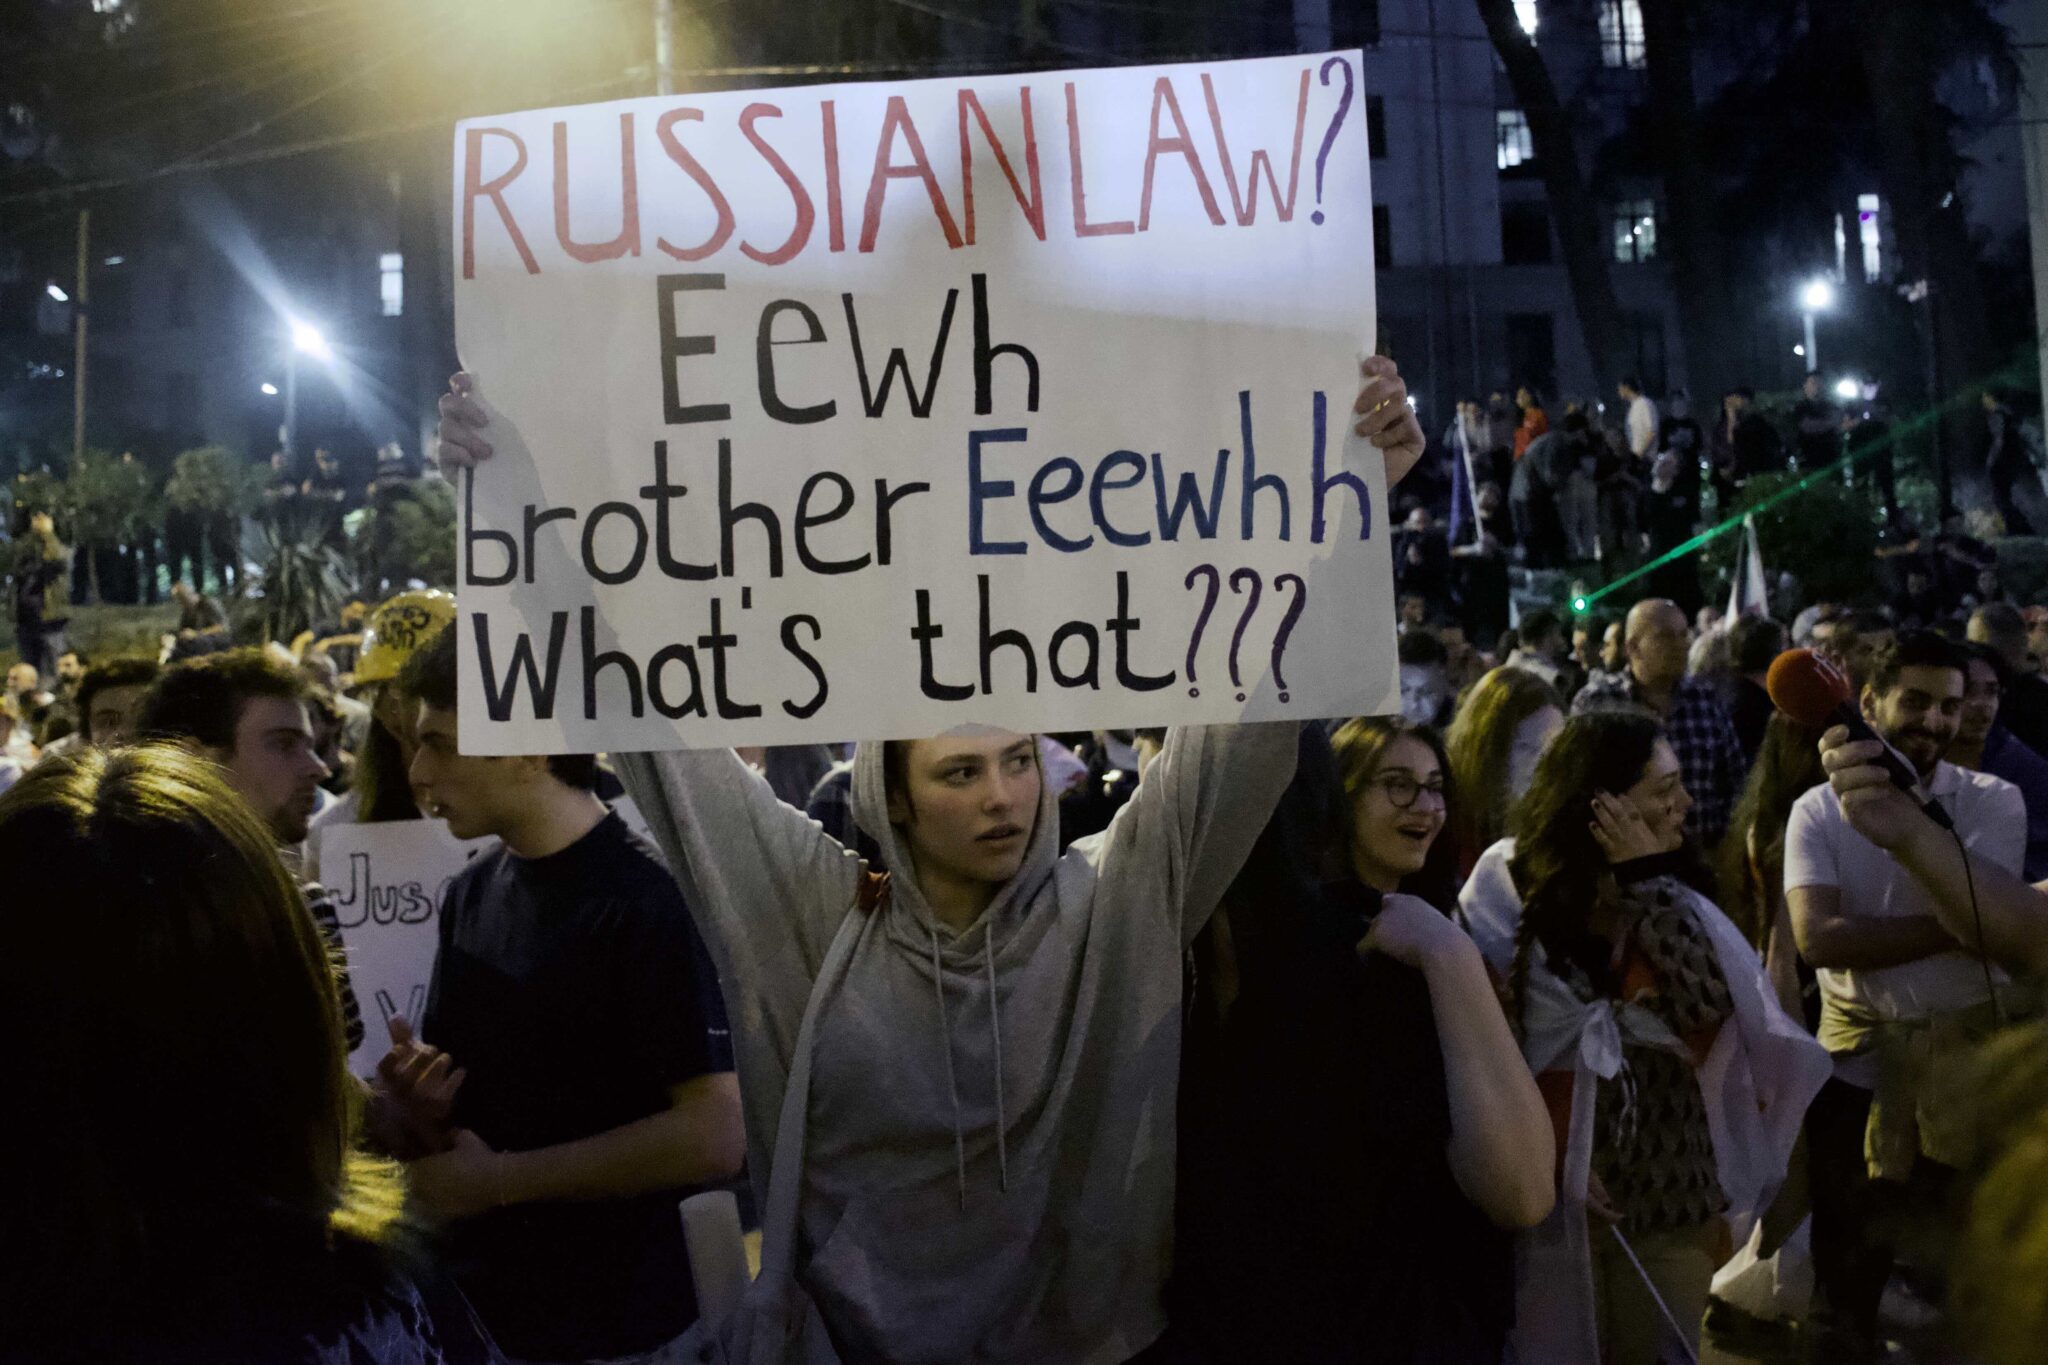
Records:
x=1977, y=918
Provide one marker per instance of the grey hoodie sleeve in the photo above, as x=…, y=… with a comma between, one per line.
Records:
x=1197, y=814
x=768, y=886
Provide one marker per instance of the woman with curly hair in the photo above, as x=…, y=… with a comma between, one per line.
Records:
x=1676, y=1082
x=1751, y=861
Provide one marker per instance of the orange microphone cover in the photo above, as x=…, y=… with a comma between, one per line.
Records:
x=1807, y=687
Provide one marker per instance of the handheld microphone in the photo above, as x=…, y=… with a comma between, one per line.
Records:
x=1810, y=689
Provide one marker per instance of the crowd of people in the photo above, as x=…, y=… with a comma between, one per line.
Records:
x=1509, y=1028
x=1509, y=488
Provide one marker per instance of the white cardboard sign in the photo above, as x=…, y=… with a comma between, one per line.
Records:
x=865, y=411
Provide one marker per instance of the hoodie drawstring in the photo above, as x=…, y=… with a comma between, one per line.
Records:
x=995, y=1024
x=988, y=958
x=952, y=1085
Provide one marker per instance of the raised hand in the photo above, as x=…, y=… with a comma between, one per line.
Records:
x=1384, y=417
x=1413, y=932
x=1622, y=833
x=462, y=423
x=413, y=1101
x=1871, y=802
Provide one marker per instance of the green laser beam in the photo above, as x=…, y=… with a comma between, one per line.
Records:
x=1909, y=427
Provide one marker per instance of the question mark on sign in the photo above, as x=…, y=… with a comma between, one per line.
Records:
x=1201, y=621
x=1330, y=136
x=1237, y=580
x=1280, y=636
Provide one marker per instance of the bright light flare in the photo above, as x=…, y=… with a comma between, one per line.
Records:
x=57, y=293
x=1817, y=296
x=1848, y=388
x=269, y=389
x=306, y=338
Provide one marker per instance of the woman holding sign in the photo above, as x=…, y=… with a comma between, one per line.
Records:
x=960, y=1080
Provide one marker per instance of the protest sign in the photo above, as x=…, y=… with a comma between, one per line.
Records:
x=864, y=411
x=387, y=881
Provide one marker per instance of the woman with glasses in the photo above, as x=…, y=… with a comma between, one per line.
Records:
x=1358, y=1132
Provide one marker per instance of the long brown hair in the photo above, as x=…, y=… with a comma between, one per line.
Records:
x=1558, y=867
x=182, y=1077
x=1481, y=737
x=1361, y=746
x=1786, y=768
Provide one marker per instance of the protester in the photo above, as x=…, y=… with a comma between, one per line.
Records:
x=1753, y=641
x=247, y=712
x=1670, y=516
x=41, y=593
x=1741, y=444
x=1534, y=421
x=1889, y=973
x=189, y=1189
x=2025, y=706
x=1817, y=425
x=71, y=666
x=1857, y=638
x=1640, y=421
x=1751, y=862
x=1480, y=566
x=1318, y=1219
x=2007, y=461
x=1700, y=731
x=1426, y=691
x=12, y=764
x=912, y=1233
x=576, y=1019
x=110, y=699
x=1984, y=744
x=1540, y=648
x=197, y=613
x=1599, y=899
x=381, y=788
x=1501, y=729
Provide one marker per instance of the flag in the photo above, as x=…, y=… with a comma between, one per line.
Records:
x=1747, y=594
x=1464, y=495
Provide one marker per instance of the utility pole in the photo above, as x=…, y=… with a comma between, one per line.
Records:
x=78, y=321
x=664, y=47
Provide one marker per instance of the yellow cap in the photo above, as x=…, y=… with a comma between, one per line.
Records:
x=398, y=628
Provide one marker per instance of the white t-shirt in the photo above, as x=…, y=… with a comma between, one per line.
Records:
x=1642, y=426
x=1822, y=850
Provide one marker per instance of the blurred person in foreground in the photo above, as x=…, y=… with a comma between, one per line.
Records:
x=1984, y=744
x=189, y=1191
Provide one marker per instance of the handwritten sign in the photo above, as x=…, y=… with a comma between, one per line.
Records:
x=863, y=411
x=388, y=881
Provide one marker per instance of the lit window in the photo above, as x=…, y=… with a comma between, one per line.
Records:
x=1512, y=143
x=1621, y=34
x=391, y=282
x=1525, y=12
x=1867, y=234
x=1635, y=230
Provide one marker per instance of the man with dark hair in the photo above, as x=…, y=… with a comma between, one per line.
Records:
x=71, y=666
x=596, y=1082
x=110, y=698
x=2000, y=626
x=1892, y=977
x=1857, y=638
x=1753, y=641
x=1540, y=646
x=2007, y=460
x=1984, y=744
x=1695, y=720
x=247, y=712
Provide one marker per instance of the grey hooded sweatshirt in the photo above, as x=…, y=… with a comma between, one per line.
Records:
x=990, y=1153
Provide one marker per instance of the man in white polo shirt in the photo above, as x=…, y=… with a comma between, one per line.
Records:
x=1891, y=977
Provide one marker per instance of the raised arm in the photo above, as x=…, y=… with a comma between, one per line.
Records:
x=2014, y=914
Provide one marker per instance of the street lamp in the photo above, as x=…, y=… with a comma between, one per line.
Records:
x=1848, y=388
x=1817, y=295
x=55, y=292
x=269, y=389
x=305, y=338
